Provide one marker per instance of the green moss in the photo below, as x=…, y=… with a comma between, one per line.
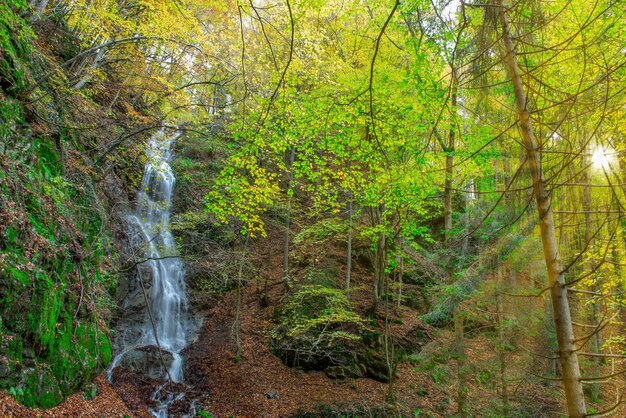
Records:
x=315, y=326
x=10, y=115
x=42, y=292
x=15, y=45
x=55, y=293
x=48, y=298
x=42, y=389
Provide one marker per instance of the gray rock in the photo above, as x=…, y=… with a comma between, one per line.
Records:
x=147, y=361
x=272, y=395
x=5, y=369
x=29, y=357
x=336, y=372
x=343, y=372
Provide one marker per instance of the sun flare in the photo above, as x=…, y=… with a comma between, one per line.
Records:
x=602, y=158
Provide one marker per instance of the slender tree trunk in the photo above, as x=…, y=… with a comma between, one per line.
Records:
x=502, y=336
x=594, y=388
x=512, y=278
x=349, y=250
x=380, y=256
x=292, y=156
x=449, y=150
x=380, y=264
x=400, y=275
x=558, y=290
x=447, y=201
x=237, y=322
x=507, y=181
x=389, y=353
x=87, y=73
x=459, y=341
x=38, y=8
x=379, y=268
x=466, y=228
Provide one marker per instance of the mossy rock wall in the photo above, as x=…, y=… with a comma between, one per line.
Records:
x=54, y=289
x=56, y=255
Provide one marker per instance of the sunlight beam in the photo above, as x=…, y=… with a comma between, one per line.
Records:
x=602, y=158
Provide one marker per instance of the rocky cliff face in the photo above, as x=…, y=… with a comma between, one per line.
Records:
x=61, y=235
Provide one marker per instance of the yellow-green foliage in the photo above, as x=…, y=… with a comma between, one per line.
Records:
x=316, y=309
x=317, y=322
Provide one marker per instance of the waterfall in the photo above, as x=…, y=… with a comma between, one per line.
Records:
x=168, y=298
x=161, y=281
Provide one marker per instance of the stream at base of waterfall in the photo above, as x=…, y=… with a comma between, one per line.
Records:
x=156, y=324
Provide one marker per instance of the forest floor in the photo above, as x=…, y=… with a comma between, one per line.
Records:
x=259, y=384
x=107, y=403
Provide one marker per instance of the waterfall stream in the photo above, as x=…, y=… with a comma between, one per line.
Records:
x=160, y=332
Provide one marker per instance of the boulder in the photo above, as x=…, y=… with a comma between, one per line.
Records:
x=146, y=360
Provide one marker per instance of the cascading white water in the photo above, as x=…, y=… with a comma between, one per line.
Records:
x=167, y=298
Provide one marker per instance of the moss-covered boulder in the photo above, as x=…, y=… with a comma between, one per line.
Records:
x=317, y=329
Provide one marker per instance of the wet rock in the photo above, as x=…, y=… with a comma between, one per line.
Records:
x=28, y=356
x=147, y=361
x=5, y=369
x=134, y=302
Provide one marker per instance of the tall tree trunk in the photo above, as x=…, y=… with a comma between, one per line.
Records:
x=38, y=8
x=292, y=156
x=380, y=255
x=400, y=275
x=389, y=353
x=447, y=201
x=236, y=329
x=466, y=227
x=379, y=267
x=594, y=388
x=558, y=290
x=96, y=60
x=507, y=182
x=449, y=150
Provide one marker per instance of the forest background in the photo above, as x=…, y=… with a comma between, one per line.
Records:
x=435, y=188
